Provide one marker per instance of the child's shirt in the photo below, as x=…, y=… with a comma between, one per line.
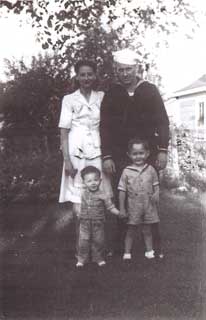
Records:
x=94, y=205
x=138, y=185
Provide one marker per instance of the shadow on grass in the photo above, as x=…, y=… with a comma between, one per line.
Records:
x=40, y=280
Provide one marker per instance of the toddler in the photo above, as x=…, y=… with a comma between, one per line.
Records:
x=139, y=196
x=92, y=218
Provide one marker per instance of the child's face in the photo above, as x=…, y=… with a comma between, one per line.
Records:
x=138, y=154
x=92, y=181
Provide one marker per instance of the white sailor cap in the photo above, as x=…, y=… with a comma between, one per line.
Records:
x=126, y=56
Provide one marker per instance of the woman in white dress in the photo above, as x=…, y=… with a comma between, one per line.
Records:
x=79, y=129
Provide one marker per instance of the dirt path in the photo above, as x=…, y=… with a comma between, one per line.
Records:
x=39, y=280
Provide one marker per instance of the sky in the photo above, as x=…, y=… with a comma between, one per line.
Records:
x=179, y=65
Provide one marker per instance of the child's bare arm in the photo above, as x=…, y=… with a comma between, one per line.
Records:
x=122, y=199
x=114, y=211
x=110, y=206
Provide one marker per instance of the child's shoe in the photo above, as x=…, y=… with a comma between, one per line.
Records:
x=110, y=254
x=79, y=264
x=159, y=255
x=149, y=254
x=101, y=263
x=127, y=256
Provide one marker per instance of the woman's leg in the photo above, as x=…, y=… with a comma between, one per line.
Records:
x=76, y=211
x=118, y=227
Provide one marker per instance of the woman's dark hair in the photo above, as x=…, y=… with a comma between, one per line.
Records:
x=83, y=63
x=138, y=141
x=90, y=169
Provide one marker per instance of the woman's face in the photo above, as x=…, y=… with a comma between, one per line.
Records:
x=86, y=77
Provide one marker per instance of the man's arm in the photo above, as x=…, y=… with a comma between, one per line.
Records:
x=162, y=120
x=162, y=127
x=105, y=126
x=106, y=134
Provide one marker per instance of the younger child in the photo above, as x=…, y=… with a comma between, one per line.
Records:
x=139, y=196
x=92, y=218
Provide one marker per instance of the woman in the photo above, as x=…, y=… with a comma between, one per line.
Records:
x=79, y=126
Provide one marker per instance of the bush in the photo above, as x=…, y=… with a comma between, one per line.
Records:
x=30, y=176
x=191, y=160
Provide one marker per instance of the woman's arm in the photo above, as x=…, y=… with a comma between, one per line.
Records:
x=64, y=135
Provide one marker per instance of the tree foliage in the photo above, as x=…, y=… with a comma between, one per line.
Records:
x=93, y=28
x=31, y=99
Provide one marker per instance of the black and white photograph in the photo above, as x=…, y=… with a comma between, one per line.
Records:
x=102, y=160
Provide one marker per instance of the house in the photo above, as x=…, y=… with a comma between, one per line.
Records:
x=186, y=107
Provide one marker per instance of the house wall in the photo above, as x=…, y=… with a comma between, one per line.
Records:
x=173, y=111
x=192, y=113
x=189, y=111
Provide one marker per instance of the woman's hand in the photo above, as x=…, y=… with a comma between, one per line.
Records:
x=123, y=214
x=109, y=166
x=69, y=169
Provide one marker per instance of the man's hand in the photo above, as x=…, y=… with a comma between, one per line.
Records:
x=155, y=197
x=161, y=161
x=69, y=169
x=109, y=166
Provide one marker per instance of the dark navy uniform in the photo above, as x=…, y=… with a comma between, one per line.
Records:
x=124, y=117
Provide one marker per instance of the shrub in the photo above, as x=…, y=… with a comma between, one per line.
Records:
x=191, y=160
x=29, y=176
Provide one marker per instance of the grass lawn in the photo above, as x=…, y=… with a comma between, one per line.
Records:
x=39, y=279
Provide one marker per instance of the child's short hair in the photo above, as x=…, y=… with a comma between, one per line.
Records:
x=138, y=141
x=90, y=169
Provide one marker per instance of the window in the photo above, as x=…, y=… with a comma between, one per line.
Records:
x=201, y=115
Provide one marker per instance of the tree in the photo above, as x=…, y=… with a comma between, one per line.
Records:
x=31, y=98
x=30, y=103
x=92, y=28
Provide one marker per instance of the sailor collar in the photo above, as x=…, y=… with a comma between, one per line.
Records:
x=136, y=169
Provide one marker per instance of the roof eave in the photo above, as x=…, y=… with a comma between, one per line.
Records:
x=189, y=92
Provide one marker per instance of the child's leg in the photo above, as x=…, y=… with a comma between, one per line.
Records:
x=147, y=234
x=98, y=240
x=129, y=239
x=84, y=240
x=156, y=238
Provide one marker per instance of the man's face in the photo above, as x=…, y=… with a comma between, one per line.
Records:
x=126, y=73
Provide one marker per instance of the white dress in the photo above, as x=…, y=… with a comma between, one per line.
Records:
x=82, y=118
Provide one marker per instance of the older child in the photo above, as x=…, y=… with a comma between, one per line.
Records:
x=92, y=218
x=139, y=196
